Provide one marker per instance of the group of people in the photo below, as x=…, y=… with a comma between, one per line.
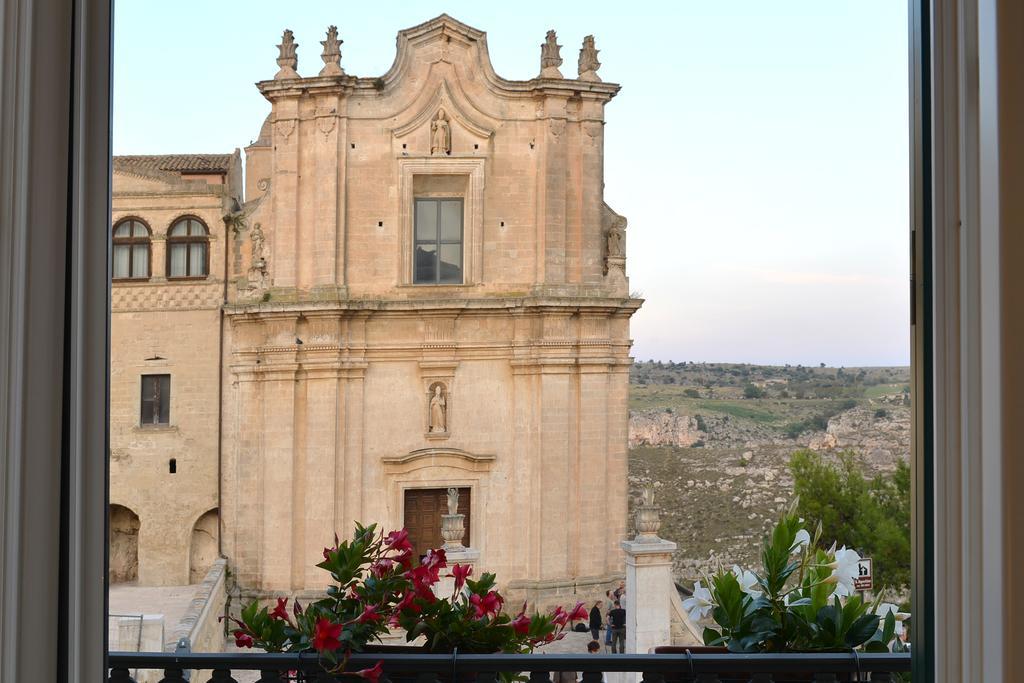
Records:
x=612, y=622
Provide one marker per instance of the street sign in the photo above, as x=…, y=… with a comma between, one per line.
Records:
x=862, y=581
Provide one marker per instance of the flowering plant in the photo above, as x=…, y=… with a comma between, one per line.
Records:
x=803, y=600
x=377, y=585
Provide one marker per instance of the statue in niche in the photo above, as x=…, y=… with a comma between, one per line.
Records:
x=440, y=134
x=616, y=237
x=438, y=411
x=257, y=244
x=588, y=64
x=453, y=501
x=550, y=57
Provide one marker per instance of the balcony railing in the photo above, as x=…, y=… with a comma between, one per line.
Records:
x=456, y=668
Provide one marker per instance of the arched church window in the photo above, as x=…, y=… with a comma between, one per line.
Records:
x=131, y=250
x=188, y=249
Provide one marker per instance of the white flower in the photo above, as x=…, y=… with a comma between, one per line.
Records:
x=699, y=604
x=844, y=571
x=886, y=607
x=747, y=581
x=802, y=540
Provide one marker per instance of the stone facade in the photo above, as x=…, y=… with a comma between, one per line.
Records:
x=166, y=523
x=345, y=382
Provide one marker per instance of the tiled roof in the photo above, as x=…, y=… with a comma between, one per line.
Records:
x=154, y=164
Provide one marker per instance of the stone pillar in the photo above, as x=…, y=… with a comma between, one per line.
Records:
x=648, y=580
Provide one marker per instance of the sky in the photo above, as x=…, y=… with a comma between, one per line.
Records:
x=758, y=148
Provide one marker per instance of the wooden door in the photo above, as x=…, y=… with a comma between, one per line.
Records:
x=423, y=510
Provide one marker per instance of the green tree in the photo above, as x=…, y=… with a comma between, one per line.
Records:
x=869, y=515
x=753, y=391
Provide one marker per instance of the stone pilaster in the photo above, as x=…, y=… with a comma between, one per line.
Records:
x=648, y=605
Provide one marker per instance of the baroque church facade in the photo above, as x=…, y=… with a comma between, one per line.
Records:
x=423, y=289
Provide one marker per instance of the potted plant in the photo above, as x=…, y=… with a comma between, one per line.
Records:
x=802, y=600
x=377, y=585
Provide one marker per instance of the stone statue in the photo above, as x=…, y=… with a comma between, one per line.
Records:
x=287, y=58
x=616, y=237
x=440, y=134
x=453, y=501
x=438, y=411
x=257, y=243
x=550, y=57
x=648, y=496
x=332, y=53
x=588, y=64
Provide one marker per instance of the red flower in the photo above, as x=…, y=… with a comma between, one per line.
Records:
x=281, y=611
x=460, y=572
x=435, y=559
x=371, y=674
x=488, y=604
x=370, y=615
x=398, y=540
x=578, y=612
x=404, y=558
x=408, y=602
x=327, y=635
x=521, y=624
x=560, y=616
x=242, y=639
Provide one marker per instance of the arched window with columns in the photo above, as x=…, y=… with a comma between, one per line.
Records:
x=188, y=249
x=131, y=250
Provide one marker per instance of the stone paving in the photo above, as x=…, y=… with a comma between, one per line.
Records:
x=170, y=601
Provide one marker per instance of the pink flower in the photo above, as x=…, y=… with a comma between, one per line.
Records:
x=435, y=559
x=560, y=616
x=398, y=540
x=578, y=612
x=281, y=611
x=370, y=615
x=488, y=604
x=371, y=674
x=521, y=624
x=382, y=567
x=460, y=572
x=242, y=639
x=326, y=636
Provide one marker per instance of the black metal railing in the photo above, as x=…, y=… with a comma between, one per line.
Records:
x=456, y=668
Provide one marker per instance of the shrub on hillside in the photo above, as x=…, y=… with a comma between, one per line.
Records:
x=870, y=515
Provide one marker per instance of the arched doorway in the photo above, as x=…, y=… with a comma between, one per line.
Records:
x=124, y=545
x=204, y=548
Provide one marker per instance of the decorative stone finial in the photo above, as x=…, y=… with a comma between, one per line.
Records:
x=287, y=59
x=453, y=525
x=332, y=53
x=648, y=518
x=550, y=57
x=588, y=64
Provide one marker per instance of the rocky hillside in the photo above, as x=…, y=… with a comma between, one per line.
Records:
x=719, y=458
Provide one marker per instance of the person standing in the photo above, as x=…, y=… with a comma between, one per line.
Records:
x=595, y=620
x=617, y=618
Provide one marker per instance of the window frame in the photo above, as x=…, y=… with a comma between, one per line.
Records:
x=187, y=240
x=438, y=241
x=142, y=400
x=130, y=242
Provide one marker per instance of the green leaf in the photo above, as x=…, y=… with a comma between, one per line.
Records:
x=861, y=629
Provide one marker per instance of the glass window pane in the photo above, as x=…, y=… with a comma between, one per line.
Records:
x=451, y=263
x=165, y=398
x=451, y=221
x=426, y=219
x=139, y=230
x=196, y=228
x=123, y=230
x=121, y=260
x=197, y=259
x=140, y=260
x=178, y=229
x=426, y=263
x=178, y=260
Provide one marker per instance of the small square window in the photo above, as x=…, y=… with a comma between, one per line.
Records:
x=156, y=400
